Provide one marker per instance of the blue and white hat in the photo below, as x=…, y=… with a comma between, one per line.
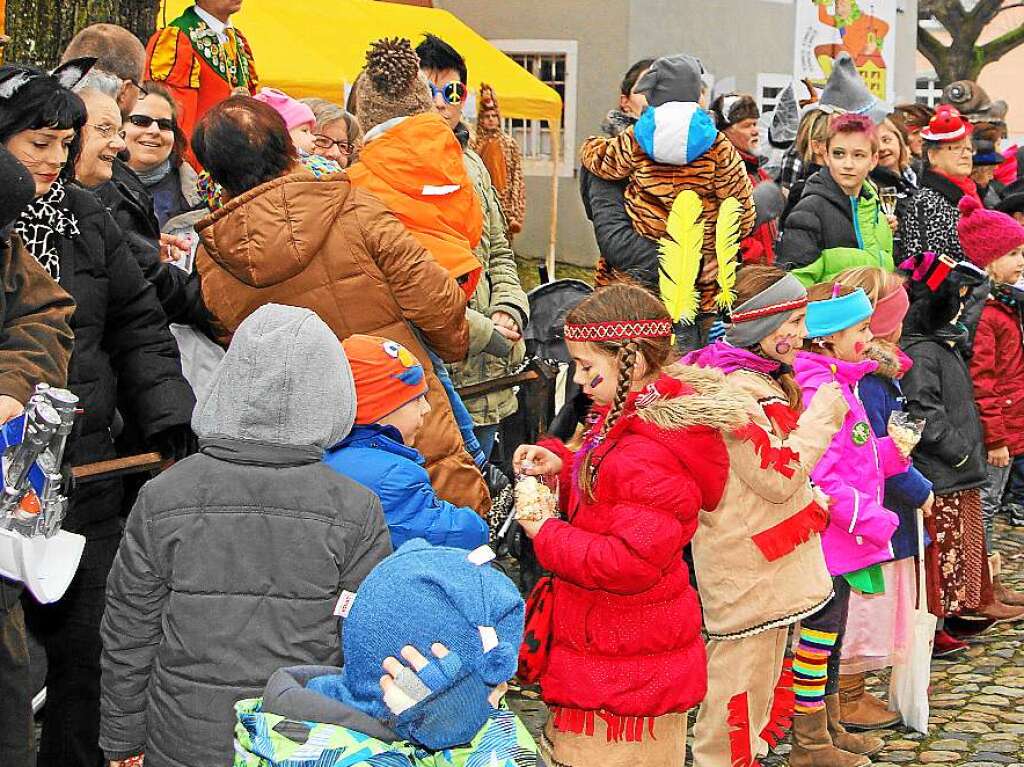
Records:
x=676, y=133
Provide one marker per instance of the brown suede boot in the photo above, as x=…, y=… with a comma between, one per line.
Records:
x=860, y=710
x=855, y=744
x=1002, y=594
x=813, y=746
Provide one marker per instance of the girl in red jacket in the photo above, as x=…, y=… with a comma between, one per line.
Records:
x=626, y=660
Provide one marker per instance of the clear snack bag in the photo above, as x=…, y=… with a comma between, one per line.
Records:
x=905, y=431
x=536, y=497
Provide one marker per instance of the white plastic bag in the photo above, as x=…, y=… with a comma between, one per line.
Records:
x=908, y=687
x=45, y=565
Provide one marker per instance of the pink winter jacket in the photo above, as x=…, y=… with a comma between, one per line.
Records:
x=853, y=470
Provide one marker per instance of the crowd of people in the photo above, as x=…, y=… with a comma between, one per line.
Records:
x=795, y=408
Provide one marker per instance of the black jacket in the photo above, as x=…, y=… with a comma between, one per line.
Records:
x=179, y=292
x=123, y=356
x=822, y=219
x=938, y=389
x=622, y=249
x=796, y=191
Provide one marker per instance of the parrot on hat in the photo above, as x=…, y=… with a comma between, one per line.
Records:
x=413, y=373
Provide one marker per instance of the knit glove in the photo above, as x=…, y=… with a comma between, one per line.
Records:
x=441, y=706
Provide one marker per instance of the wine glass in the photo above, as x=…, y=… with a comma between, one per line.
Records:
x=887, y=198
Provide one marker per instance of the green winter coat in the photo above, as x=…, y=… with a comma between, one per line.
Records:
x=828, y=232
x=263, y=739
x=499, y=290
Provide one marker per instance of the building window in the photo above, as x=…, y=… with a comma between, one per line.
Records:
x=769, y=88
x=553, y=62
x=928, y=90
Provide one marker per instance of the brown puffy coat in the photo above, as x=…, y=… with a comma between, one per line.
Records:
x=319, y=244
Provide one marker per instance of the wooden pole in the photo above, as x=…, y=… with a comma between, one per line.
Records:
x=553, y=235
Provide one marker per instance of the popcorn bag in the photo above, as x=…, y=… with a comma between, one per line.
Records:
x=905, y=431
x=536, y=497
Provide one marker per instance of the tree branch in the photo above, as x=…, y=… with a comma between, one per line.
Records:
x=999, y=47
x=932, y=49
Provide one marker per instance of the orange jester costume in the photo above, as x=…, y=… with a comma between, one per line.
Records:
x=200, y=65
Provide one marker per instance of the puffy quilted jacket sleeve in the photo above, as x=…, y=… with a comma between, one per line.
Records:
x=655, y=513
x=36, y=341
x=131, y=630
x=922, y=386
x=985, y=374
x=623, y=249
x=414, y=511
x=428, y=297
x=856, y=512
x=800, y=245
x=142, y=350
x=612, y=159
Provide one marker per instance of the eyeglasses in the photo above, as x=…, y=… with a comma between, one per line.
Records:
x=959, y=149
x=144, y=121
x=453, y=93
x=320, y=141
x=142, y=91
x=107, y=131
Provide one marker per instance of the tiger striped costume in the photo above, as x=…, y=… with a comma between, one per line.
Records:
x=652, y=188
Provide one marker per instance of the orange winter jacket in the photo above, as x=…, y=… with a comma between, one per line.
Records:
x=414, y=166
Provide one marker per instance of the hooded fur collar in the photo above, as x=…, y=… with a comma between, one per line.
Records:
x=712, y=402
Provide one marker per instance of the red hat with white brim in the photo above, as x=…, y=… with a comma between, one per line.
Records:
x=947, y=125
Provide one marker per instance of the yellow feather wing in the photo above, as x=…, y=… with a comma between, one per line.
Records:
x=727, y=247
x=680, y=253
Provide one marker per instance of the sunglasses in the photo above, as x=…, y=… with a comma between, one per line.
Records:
x=321, y=141
x=144, y=121
x=453, y=93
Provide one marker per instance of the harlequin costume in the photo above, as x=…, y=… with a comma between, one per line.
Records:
x=200, y=69
x=758, y=556
x=626, y=659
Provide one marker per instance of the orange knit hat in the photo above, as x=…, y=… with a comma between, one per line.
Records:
x=387, y=376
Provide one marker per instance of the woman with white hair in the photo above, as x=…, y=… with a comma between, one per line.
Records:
x=338, y=136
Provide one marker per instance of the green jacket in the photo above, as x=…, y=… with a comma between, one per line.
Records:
x=263, y=739
x=828, y=231
x=499, y=290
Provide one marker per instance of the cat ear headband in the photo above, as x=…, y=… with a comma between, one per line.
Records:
x=67, y=76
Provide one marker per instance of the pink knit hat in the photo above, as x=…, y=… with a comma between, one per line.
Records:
x=295, y=113
x=986, y=235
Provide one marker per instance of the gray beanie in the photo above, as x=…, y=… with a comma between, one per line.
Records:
x=845, y=91
x=672, y=78
x=761, y=315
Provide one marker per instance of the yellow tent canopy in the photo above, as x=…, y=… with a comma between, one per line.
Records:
x=315, y=48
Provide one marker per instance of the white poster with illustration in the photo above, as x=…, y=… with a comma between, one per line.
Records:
x=863, y=28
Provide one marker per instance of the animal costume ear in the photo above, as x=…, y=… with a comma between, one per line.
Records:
x=14, y=82
x=70, y=74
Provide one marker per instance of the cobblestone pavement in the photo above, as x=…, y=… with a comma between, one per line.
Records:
x=977, y=698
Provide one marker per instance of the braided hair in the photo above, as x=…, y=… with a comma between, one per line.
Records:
x=620, y=302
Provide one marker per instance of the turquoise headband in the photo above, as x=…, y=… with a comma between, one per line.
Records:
x=835, y=314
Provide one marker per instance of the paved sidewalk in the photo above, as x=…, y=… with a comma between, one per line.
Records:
x=977, y=699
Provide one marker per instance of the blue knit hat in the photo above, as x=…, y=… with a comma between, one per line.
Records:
x=834, y=314
x=423, y=594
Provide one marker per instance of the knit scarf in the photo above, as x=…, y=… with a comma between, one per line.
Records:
x=492, y=151
x=155, y=174
x=41, y=223
x=965, y=184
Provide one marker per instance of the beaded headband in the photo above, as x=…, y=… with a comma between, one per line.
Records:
x=622, y=330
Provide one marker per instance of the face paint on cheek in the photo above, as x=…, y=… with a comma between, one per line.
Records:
x=858, y=348
x=596, y=381
x=783, y=347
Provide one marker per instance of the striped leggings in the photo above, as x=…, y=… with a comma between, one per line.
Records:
x=819, y=649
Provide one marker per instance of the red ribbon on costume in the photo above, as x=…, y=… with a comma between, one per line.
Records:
x=739, y=731
x=779, y=458
x=780, y=719
x=778, y=541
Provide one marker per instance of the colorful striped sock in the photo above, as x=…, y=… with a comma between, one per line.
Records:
x=810, y=669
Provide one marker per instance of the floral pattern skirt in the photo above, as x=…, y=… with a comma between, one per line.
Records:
x=956, y=563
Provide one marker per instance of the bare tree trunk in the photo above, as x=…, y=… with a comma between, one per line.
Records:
x=40, y=29
x=964, y=58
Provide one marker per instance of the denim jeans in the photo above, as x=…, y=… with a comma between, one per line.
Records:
x=992, y=498
x=17, y=734
x=486, y=435
x=1015, y=487
x=462, y=416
